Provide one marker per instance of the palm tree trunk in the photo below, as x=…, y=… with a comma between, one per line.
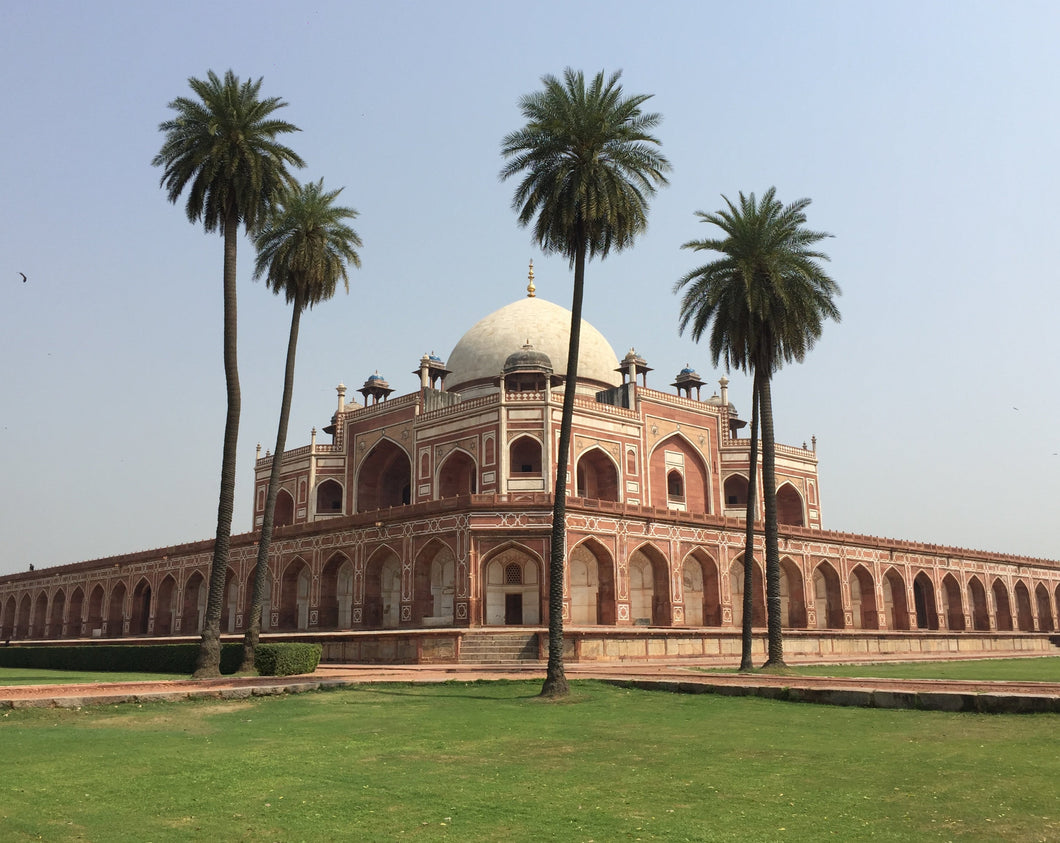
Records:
x=555, y=679
x=209, y=662
x=250, y=638
x=746, y=658
x=769, y=482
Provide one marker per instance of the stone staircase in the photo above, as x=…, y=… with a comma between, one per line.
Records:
x=516, y=648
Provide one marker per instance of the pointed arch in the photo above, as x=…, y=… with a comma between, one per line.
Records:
x=7, y=619
x=295, y=584
x=434, y=589
x=140, y=616
x=678, y=476
x=827, y=596
x=649, y=586
x=512, y=578
x=39, y=620
x=75, y=613
x=1002, y=607
x=863, y=610
x=266, y=598
x=116, y=611
x=384, y=478
x=1024, y=616
x=25, y=606
x=382, y=588
x=791, y=510
x=596, y=476
x=524, y=456
x=758, y=598
x=457, y=475
x=927, y=616
x=230, y=606
x=193, y=611
x=336, y=593
x=702, y=596
x=165, y=605
x=283, y=514
x=735, y=491
x=977, y=601
x=592, y=583
x=55, y=616
x=94, y=621
x=952, y=605
x=895, y=604
x=1045, y=611
x=329, y=497
x=792, y=595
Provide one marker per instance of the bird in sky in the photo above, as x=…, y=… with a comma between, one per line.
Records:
x=23, y=274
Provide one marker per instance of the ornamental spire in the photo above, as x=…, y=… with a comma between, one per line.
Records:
x=530, y=288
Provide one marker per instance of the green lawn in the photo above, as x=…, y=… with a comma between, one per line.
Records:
x=1044, y=669
x=487, y=761
x=35, y=676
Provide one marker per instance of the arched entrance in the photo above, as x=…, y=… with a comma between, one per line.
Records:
x=790, y=510
x=792, y=595
x=927, y=616
x=116, y=611
x=7, y=622
x=758, y=597
x=1002, y=609
x=164, y=606
x=336, y=593
x=895, y=605
x=266, y=600
x=863, y=610
x=1024, y=618
x=329, y=498
x=678, y=476
x=980, y=610
x=952, y=605
x=75, y=613
x=435, y=588
x=827, y=598
x=1045, y=611
x=649, y=598
x=230, y=606
x=699, y=580
x=55, y=618
x=94, y=622
x=512, y=581
x=382, y=589
x=457, y=475
x=39, y=620
x=597, y=476
x=592, y=584
x=294, y=595
x=140, y=621
x=283, y=512
x=384, y=478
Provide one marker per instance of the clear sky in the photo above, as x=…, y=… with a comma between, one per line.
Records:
x=926, y=135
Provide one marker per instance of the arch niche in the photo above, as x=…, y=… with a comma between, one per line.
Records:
x=895, y=604
x=164, y=605
x=1045, y=611
x=329, y=497
x=980, y=610
x=94, y=621
x=792, y=595
x=116, y=611
x=827, y=598
x=22, y=621
x=1024, y=618
x=382, y=589
x=7, y=621
x=927, y=616
x=283, y=513
x=457, y=475
x=434, y=592
x=863, y=599
x=597, y=476
x=55, y=619
x=758, y=596
x=790, y=510
x=384, y=478
x=141, y=608
x=75, y=614
x=736, y=488
x=1002, y=608
x=699, y=581
x=294, y=595
x=952, y=605
x=512, y=580
x=592, y=584
x=266, y=599
x=336, y=593
x=194, y=604
x=678, y=476
x=230, y=606
x=40, y=615
x=649, y=593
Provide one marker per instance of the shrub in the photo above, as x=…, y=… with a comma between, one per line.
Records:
x=119, y=658
x=286, y=659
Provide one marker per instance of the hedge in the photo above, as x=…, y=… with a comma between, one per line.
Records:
x=286, y=659
x=119, y=658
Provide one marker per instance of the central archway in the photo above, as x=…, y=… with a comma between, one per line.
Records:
x=512, y=580
x=385, y=478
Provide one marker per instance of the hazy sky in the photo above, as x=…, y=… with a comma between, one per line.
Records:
x=926, y=135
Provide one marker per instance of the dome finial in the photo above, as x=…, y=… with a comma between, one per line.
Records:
x=530, y=287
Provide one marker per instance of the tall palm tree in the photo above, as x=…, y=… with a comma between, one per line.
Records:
x=223, y=147
x=303, y=250
x=765, y=300
x=588, y=164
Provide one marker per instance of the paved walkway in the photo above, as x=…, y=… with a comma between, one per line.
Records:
x=939, y=695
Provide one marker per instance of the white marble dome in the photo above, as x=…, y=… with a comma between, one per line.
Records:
x=479, y=356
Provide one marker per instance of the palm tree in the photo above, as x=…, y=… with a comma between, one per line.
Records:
x=588, y=164
x=303, y=250
x=222, y=146
x=765, y=299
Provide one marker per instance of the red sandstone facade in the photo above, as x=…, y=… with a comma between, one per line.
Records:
x=432, y=509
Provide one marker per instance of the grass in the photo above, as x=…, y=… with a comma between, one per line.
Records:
x=1044, y=669
x=35, y=676
x=487, y=761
